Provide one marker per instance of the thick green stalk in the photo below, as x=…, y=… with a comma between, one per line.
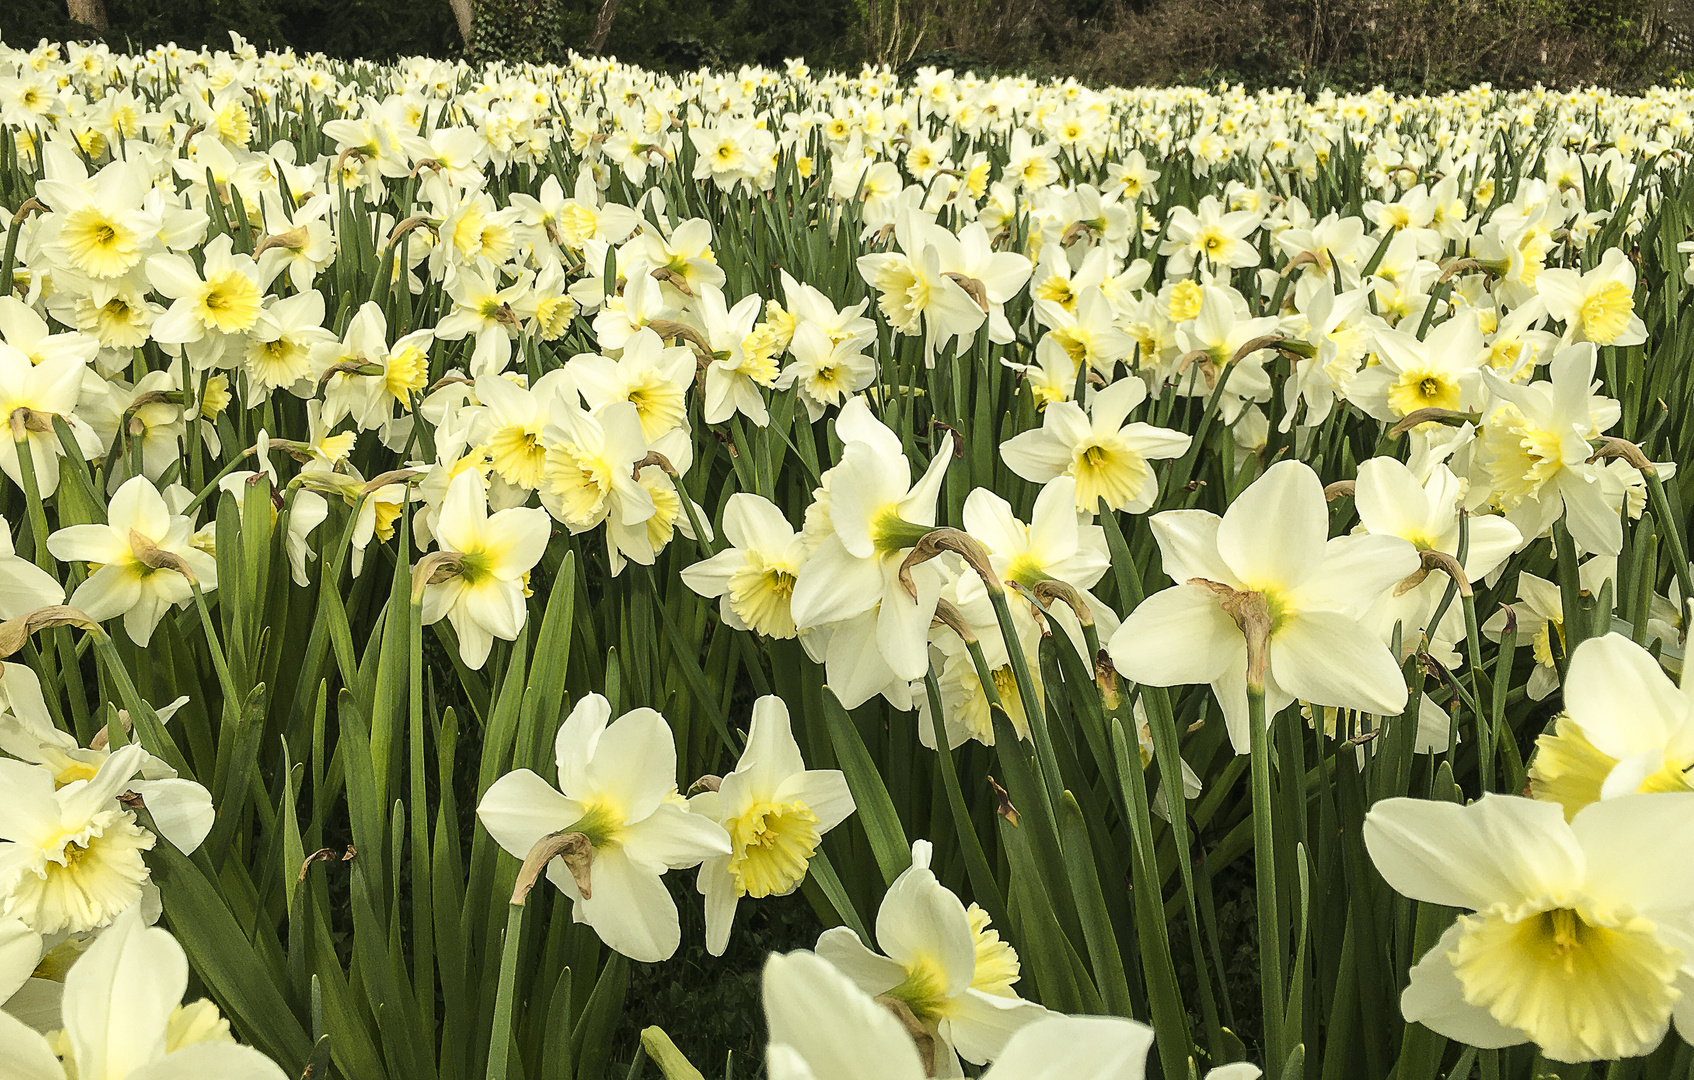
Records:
x=1271, y=988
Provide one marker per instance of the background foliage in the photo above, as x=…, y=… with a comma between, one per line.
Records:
x=1406, y=45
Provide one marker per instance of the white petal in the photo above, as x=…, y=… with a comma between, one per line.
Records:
x=1077, y=1048
x=1177, y=636
x=1499, y=849
x=1330, y=659
x=1436, y=1000
x=631, y=910
x=1273, y=533
x=921, y=918
x=841, y=1034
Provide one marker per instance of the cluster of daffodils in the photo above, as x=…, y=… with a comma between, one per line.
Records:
x=620, y=823
x=921, y=382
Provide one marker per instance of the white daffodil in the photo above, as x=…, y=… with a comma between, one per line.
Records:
x=1581, y=932
x=181, y=809
x=28, y=332
x=648, y=374
x=31, y=395
x=915, y=296
x=617, y=788
x=509, y=423
x=70, y=857
x=483, y=597
x=1269, y=547
x=362, y=376
x=876, y=515
x=1540, y=618
x=824, y=1027
x=1105, y=454
x=1391, y=502
x=24, y=995
x=589, y=470
x=742, y=362
x=1626, y=728
x=142, y=553
x=1089, y=333
x=1060, y=543
x=1534, y=450
x=223, y=300
x=306, y=509
x=124, y=1019
x=943, y=962
x=824, y=371
x=775, y=811
x=485, y=312
x=24, y=586
x=1598, y=306
x=964, y=700
x=1213, y=236
x=103, y=226
x=1442, y=371
x=753, y=577
x=279, y=349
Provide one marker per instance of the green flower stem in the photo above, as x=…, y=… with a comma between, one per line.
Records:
x=1673, y=536
x=1264, y=870
x=37, y=509
x=1031, y=701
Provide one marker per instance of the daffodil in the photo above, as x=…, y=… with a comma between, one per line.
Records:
x=70, y=856
x=1210, y=235
x=589, y=469
x=741, y=363
x=510, y=420
x=753, y=577
x=823, y=1026
x=1270, y=547
x=31, y=395
x=279, y=349
x=1442, y=371
x=210, y=305
x=942, y=962
x=1539, y=617
x=648, y=374
x=1626, y=728
x=876, y=515
x=491, y=556
x=102, y=226
x=24, y=586
x=825, y=372
x=1534, y=451
x=1392, y=502
x=617, y=788
x=775, y=810
x=1102, y=451
x=145, y=559
x=1598, y=306
x=181, y=809
x=124, y=1019
x=1580, y=932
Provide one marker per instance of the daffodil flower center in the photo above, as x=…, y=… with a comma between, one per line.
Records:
x=1552, y=972
x=772, y=843
x=1606, y=313
x=891, y=533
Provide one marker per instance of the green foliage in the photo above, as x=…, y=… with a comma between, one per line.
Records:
x=517, y=31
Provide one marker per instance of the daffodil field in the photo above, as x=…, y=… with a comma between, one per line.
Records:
x=1170, y=582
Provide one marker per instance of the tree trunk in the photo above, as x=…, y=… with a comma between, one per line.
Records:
x=603, y=26
x=462, y=14
x=89, y=12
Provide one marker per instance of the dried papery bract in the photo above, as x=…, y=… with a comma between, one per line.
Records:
x=936, y=541
x=574, y=849
x=15, y=632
